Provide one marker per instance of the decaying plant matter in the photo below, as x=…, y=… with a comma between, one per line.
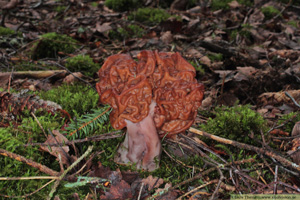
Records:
x=13, y=104
x=155, y=97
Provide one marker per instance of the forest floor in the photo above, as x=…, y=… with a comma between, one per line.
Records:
x=245, y=53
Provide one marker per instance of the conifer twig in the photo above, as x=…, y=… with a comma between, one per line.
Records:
x=248, y=147
x=87, y=123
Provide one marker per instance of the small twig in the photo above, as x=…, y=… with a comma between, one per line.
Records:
x=27, y=178
x=9, y=82
x=197, y=188
x=279, y=14
x=248, y=147
x=282, y=124
x=63, y=67
x=89, y=160
x=201, y=174
x=275, y=180
x=218, y=185
x=29, y=162
x=295, y=102
x=285, y=138
x=204, y=147
x=111, y=135
x=181, y=163
x=38, y=122
x=61, y=148
x=56, y=184
x=140, y=192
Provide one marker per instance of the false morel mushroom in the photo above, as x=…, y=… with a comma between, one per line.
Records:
x=153, y=97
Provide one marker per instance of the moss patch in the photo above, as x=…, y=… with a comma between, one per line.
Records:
x=51, y=43
x=6, y=31
x=130, y=31
x=82, y=63
x=236, y=123
x=269, y=12
x=76, y=99
x=123, y=5
x=223, y=4
x=149, y=16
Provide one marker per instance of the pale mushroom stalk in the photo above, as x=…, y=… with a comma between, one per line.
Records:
x=142, y=144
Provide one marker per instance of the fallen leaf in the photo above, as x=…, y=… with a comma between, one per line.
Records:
x=152, y=182
x=119, y=190
x=234, y=4
x=166, y=37
x=296, y=129
x=10, y=5
x=194, y=53
x=205, y=60
x=71, y=78
x=102, y=28
x=58, y=150
x=244, y=73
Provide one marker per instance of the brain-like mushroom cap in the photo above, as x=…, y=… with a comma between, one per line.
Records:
x=166, y=78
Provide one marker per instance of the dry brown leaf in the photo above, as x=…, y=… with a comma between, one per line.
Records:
x=166, y=37
x=272, y=98
x=72, y=77
x=257, y=17
x=234, y=4
x=194, y=53
x=296, y=129
x=10, y=5
x=244, y=73
x=4, y=78
x=153, y=182
x=120, y=190
x=56, y=150
x=206, y=61
x=102, y=28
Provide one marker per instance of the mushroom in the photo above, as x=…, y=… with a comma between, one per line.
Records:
x=154, y=97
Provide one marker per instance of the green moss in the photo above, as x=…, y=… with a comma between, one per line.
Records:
x=244, y=31
x=60, y=9
x=94, y=4
x=197, y=67
x=215, y=57
x=223, y=4
x=167, y=3
x=291, y=119
x=82, y=63
x=31, y=66
x=269, y=12
x=76, y=99
x=236, y=123
x=6, y=31
x=123, y=5
x=130, y=31
x=150, y=16
x=51, y=43
x=293, y=23
x=13, y=140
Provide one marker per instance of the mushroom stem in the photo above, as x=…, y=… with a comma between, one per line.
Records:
x=142, y=144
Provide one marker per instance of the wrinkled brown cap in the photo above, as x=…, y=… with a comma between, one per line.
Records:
x=130, y=86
